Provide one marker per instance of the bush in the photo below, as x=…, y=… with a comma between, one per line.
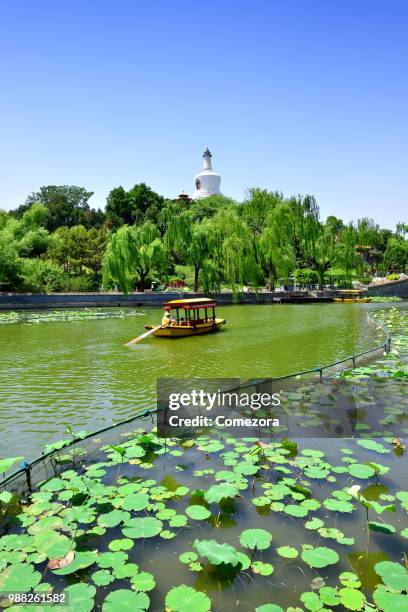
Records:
x=305, y=277
x=77, y=284
x=41, y=276
x=392, y=277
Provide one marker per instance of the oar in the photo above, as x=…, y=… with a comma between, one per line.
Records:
x=139, y=338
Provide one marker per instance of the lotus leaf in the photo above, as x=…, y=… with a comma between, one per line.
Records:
x=124, y=599
x=255, y=539
x=185, y=599
x=143, y=581
x=319, y=557
x=198, y=513
x=217, y=553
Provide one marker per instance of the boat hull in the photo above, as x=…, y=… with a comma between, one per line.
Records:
x=182, y=331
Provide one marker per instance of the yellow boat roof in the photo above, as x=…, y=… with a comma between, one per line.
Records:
x=190, y=303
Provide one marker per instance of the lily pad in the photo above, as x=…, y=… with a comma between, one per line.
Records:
x=255, y=539
x=143, y=581
x=288, y=552
x=185, y=599
x=320, y=556
x=198, y=513
x=80, y=596
x=19, y=577
x=142, y=527
x=217, y=553
x=393, y=575
x=124, y=599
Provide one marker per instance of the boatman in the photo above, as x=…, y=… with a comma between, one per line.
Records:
x=167, y=320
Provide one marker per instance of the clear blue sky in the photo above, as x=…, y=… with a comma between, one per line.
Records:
x=299, y=96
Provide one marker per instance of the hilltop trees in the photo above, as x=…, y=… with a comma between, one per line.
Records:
x=67, y=205
x=55, y=241
x=132, y=207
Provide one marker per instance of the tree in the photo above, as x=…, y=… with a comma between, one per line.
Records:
x=206, y=208
x=276, y=251
x=258, y=206
x=190, y=242
x=234, y=251
x=132, y=253
x=78, y=250
x=396, y=255
x=67, y=206
x=135, y=206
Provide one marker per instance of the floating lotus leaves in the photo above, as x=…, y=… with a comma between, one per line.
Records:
x=360, y=470
x=288, y=552
x=124, y=599
x=220, y=491
x=294, y=510
x=142, y=527
x=255, y=539
x=198, y=513
x=80, y=597
x=269, y=608
x=393, y=575
x=125, y=571
x=373, y=445
x=21, y=577
x=264, y=569
x=136, y=502
x=113, y=518
x=389, y=600
x=102, y=577
x=112, y=559
x=217, y=553
x=51, y=543
x=186, y=599
x=188, y=557
x=319, y=557
x=121, y=544
x=352, y=599
x=81, y=560
x=143, y=581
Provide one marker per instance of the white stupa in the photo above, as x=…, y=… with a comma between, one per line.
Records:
x=207, y=182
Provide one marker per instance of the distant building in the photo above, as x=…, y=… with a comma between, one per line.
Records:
x=183, y=197
x=207, y=182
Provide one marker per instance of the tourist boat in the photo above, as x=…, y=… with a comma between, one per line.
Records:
x=358, y=300
x=352, y=296
x=192, y=316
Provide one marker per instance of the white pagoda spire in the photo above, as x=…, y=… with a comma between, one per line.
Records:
x=207, y=182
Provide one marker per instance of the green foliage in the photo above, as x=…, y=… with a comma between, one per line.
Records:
x=132, y=253
x=67, y=205
x=136, y=206
x=208, y=243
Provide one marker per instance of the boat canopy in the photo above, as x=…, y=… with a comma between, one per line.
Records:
x=190, y=304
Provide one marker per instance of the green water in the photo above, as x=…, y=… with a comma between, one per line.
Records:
x=79, y=373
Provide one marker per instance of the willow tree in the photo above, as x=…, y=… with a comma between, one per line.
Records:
x=258, y=206
x=191, y=242
x=132, y=253
x=275, y=246
x=235, y=252
x=347, y=257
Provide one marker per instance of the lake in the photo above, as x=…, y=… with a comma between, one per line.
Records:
x=79, y=373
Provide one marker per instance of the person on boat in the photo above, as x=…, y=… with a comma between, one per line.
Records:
x=167, y=320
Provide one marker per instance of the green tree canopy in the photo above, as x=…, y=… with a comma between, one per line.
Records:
x=133, y=207
x=67, y=205
x=132, y=253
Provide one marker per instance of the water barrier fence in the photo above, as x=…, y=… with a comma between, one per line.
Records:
x=30, y=474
